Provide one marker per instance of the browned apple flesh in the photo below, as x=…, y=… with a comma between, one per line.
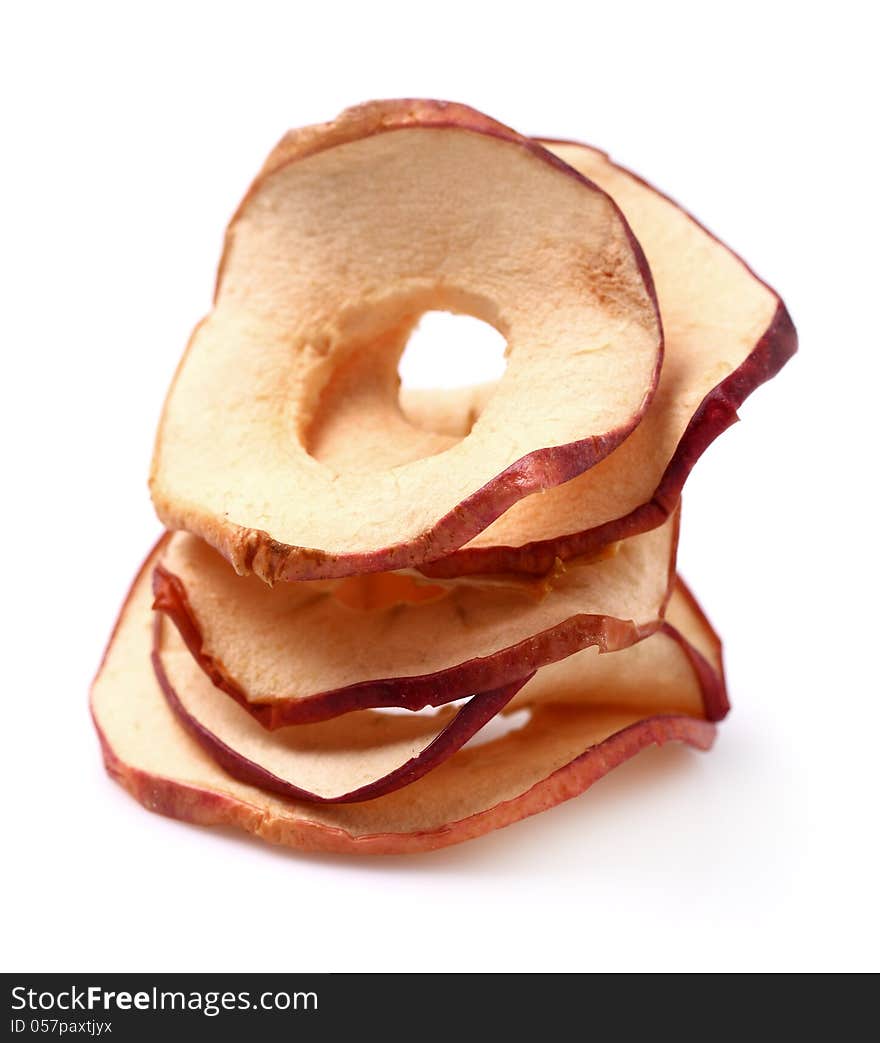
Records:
x=300, y=652
x=726, y=332
x=559, y=753
x=351, y=231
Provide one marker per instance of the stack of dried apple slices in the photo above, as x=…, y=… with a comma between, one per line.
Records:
x=357, y=583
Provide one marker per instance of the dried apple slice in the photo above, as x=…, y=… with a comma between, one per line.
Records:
x=562, y=750
x=356, y=757
x=299, y=652
x=726, y=332
x=351, y=231
x=679, y=669
x=367, y=754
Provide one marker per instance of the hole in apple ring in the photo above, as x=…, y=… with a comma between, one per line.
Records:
x=411, y=392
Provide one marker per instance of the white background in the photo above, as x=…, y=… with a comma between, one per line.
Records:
x=127, y=142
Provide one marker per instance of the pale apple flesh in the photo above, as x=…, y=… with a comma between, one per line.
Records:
x=352, y=230
x=296, y=654
x=726, y=332
x=564, y=748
